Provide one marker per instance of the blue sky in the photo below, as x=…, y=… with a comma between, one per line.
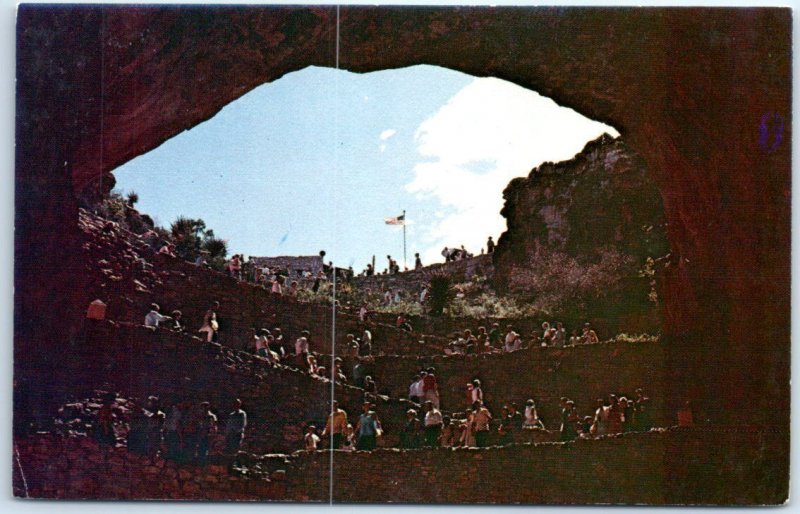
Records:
x=317, y=160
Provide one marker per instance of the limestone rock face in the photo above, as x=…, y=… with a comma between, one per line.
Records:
x=580, y=234
x=703, y=96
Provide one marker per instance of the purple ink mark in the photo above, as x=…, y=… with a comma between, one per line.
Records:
x=771, y=123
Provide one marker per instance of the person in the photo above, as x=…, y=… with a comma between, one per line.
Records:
x=351, y=346
x=370, y=387
x=366, y=429
x=175, y=324
x=490, y=245
x=104, y=431
x=260, y=341
x=359, y=372
x=494, y=335
x=348, y=441
x=201, y=261
x=403, y=324
x=477, y=392
x=585, y=428
x=559, y=337
x=433, y=425
x=417, y=262
x=615, y=415
x=207, y=425
x=430, y=387
x=469, y=341
x=449, y=435
x=277, y=285
x=515, y=417
x=546, y=334
x=409, y=435
x=362, y=313
x=210, y=324
x=480, y=419
x=301, y=349
x=235, y=427
x=292, y=291
x=569, y=419
x=311, y=364
x=600, y=425
x=511, y=340
x=154, y=317
x=415, y=392
x=137, y=431
x=154, y=422
x=336, y=425
x=311, y=439
x=370, y=270
x=482, y=341
x=365, y=349
x=235, y=267
x=505, y=431
x=423, y=294
x=446, y=254
x=642, y=421
x=532, y=420
x=338, y=373
x=627, y=414
x=172, y=431
x=575, y=339
x=589, y=335
x=270, y=354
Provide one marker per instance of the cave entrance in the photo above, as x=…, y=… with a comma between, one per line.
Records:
x=321, y=157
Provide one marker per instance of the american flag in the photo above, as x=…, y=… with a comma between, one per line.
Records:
x=399, y=220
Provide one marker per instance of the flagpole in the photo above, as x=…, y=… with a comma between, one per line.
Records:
x=405, y=264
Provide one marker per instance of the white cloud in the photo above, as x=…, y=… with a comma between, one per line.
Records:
x=488, y=133
x=386, y=134
x=383, y=148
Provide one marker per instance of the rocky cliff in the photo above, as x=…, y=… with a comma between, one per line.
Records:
x=580, y=234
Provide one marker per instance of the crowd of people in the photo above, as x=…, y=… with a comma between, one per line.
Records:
x=496, y=341
x=187, y=432
x=612, y=416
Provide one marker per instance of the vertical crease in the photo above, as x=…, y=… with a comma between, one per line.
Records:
x=333, y=296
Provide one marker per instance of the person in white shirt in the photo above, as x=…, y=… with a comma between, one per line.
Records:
x=477, y=392
x=480, y=419
x=154, y=317
x=311, y=439
x=531, y=417
x=301, y=349
x=362, y=313
x=433, y=425
x=601, y=414
x=260, y=341
x=415, y=389
x=366, y=338
x=511, y=340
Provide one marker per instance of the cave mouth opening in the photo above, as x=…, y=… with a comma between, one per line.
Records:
x=322, y=157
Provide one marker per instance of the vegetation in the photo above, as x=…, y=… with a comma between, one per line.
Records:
x=132, y=198
x=120, y=210
x=440, y=294
x=191, y=236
